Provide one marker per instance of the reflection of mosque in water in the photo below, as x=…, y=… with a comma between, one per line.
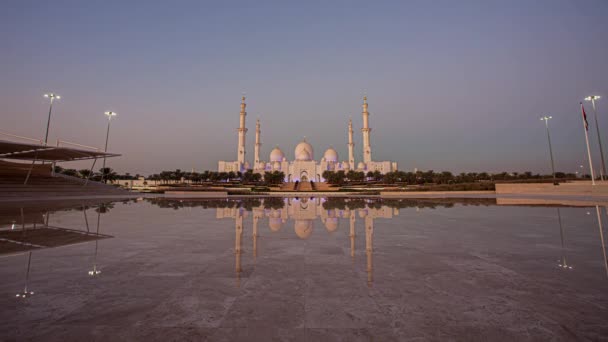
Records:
x=303, y=212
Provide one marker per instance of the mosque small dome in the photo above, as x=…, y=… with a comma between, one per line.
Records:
x=331, y=155
x=303, y=228
x=304, y=146
x=276, y=155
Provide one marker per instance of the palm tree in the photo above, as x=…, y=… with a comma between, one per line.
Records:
x=84, y=173
x=108, y=174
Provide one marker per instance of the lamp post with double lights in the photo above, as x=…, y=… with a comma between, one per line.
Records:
x=53, y=97
x=110, y=115
x=546, y=120
x=592, y=98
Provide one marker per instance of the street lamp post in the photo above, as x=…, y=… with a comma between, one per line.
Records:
x=110, y=115
x=546, y=120
x=599, y=139
x=48, y=122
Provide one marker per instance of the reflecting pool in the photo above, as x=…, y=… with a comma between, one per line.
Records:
x=302, y=269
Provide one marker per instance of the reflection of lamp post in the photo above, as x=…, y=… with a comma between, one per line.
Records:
x=48, y=122
x=94, y=272
x=110, y=115
x=26, y=293
x=546, y=120
x=599, y=139
x=562, y=263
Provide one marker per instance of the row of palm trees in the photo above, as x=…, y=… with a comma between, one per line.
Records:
x=432, y=177
x=106, y=174
x=178, y=175
x=332, y=177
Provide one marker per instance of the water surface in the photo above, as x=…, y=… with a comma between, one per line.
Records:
x=302, y=270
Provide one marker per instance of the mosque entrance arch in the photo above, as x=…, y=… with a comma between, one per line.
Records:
x=304, y=176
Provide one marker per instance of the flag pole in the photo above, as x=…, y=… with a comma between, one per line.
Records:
x=585, y=128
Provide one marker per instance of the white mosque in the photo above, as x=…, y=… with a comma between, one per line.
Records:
x=304, y=167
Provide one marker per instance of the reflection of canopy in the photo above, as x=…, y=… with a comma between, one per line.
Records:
x=22, y=228
x=18, y=240
x=25, y=151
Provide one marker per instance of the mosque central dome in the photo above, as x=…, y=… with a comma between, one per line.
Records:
x=304, y=151
x=303, y=228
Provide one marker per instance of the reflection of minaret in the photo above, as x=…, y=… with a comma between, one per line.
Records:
x=369, y=232
x=255, y=234
x=237, y=247
x=242, y=133
x=258, y=144
x=352, y=233
x=563, y=263
x=25, y=292
x=367, y=148
x=351, y=146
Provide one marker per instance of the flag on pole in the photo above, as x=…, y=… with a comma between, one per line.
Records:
x=584, y=117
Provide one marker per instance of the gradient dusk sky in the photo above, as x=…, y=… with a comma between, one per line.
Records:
x=452, y=85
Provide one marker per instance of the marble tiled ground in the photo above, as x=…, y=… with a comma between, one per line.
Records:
x=467, y=273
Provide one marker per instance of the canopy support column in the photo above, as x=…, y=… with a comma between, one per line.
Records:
x=90, y=172
x=29, y=172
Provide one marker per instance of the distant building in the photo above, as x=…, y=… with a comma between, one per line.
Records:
x=304, y=167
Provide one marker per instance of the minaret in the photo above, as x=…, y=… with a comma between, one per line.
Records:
x=242, y=133
x=258, y=144
x=351, y=146
x=367, y=148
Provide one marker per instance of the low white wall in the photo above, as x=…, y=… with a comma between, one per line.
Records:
x=403, y=194
x=570, y=188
